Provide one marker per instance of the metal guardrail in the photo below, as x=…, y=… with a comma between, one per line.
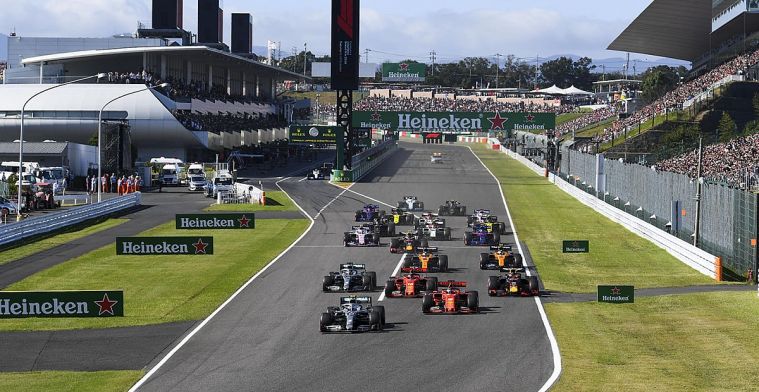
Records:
x=17, y=231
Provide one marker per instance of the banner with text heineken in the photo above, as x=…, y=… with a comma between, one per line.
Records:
x=164, y=246
x=313, y=134
x=404, y=72
x=454, y=122
x=216, y=221
x=18, y=304
x=618, y=294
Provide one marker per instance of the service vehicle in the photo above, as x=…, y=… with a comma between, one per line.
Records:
x=196, y=182
x=500, y=257
x=55, y=175
x=354, y=314
x=425, y=260
x=220, y=183
x=437, y=157
x=410, y=203
x=451, y=299
x=410, y=286
x=196, y=169
x=361, y=236
x=351, y=277
x=408, y=242
x=481, y=235
x=514, y=282
x=368, y=213
x=452, y=208
x=7, y=207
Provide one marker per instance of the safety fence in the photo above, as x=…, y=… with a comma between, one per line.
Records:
x=365, y=162
x=28, y=228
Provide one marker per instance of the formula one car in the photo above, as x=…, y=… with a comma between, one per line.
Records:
x=355, y=314
x=321, y=173
x=381, y=227
x=410, y=203
x=480, y=235
x=451, y=299
x=491, y=221
x=361, y=236
x=410, y=286
x=369, y=213
x=429, y=219
x=433, y=233
x=401, y=218
x=477, y=216
x=514, y=282
x=437, y=157
x=500, y=257
x=452, y=208
x=407, y=243
x=425, y=261
x=351, y=277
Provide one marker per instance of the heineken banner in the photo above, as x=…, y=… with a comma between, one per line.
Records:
x=404, y=72
x=575, y=246
x=216, y=221
x=17, y=304
x=454, y=122
x=616, y=294
x=315, y=134
x=164, y=246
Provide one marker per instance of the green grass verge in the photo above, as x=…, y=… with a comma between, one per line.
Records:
x=104, y=381
x=275, y=201
x=161, y=289
x=692, y=342
x=544, y=216
x=12, y=254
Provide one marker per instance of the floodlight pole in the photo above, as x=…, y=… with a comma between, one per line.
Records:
x=697, y=231
x=21, y=136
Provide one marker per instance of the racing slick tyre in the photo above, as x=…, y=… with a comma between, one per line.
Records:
x=389, y=288
x=442, y=210
x=469, y=220
x=324, y=321
x=427, y=303
x=381, y=310
x=467, y=238
x=484, y=258
x=532, y=285
x=326, y=282
x=346, y=240
x=375, y=239
x=358, y=216
x=516, y=261
x=420, y=205
x=462, y=210
x=375, y=320
x=381, y=213
x=395, y=243
x=406, y=262
x=442, y=263
x=425, y=243
x=431, y=284
x=502, y=227
x=447, y=233
x=373, y=276
x=366, y=281
x=496, y=237
x=473, y=301
x=390, y=229
x=493, y=284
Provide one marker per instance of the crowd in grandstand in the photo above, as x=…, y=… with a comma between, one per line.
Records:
x=674, y=99
x=396, y=104
x=735, y=162
x=586, y=120
x=228, y=122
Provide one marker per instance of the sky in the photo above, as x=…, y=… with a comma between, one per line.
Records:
x=392, y=29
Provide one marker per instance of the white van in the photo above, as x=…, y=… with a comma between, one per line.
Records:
x=170, y=174
x=222, y=182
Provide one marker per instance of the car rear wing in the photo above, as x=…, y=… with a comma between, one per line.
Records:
x=520, y=270
x=451, y=283
x=355, y=300
x=428, y=250
x=353, y=266
x=501, y=247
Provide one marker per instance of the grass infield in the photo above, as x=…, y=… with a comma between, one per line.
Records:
x=19, y=252
x=545, y=216
x=275, y=201
x=105, y=381
x=162, y=289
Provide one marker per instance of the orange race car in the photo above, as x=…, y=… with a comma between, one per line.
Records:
x=425, y=261
x=451, y=299
x=499, y=258
x=410, y=286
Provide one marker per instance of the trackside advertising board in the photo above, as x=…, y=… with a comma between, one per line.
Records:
x=404, y=72
x=345, y=49
x=312, y=134
x=167, y=246
x=454, y=122
x=616, y=294
x=21, y=304
x=216, y=221
x=575, y=246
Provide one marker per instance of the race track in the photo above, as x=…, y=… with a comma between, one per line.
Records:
x=267, y=338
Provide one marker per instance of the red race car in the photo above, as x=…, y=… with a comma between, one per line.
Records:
x=410, y=286
x=514, y=282
x=425, y=261
x=451, y=299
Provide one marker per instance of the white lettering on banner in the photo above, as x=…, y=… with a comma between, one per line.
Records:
x=45, y=308
x=129, y=247
x=209, y=223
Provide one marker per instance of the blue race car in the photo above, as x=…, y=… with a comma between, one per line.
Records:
x=481, y=236
x=369, y=213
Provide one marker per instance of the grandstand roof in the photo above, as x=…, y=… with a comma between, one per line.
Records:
x=88, y=54
x=677, y=29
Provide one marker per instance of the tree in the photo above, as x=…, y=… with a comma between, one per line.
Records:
x=755, y=104
x=726, y=128
x=658, y=81
x=295, y=63
x=564, y=72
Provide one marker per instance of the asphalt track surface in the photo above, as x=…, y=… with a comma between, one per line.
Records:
x=267, y=338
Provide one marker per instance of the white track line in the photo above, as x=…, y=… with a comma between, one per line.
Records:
x=189, y=336
x=395, y=273
x=549, y=331
x=369, y=197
